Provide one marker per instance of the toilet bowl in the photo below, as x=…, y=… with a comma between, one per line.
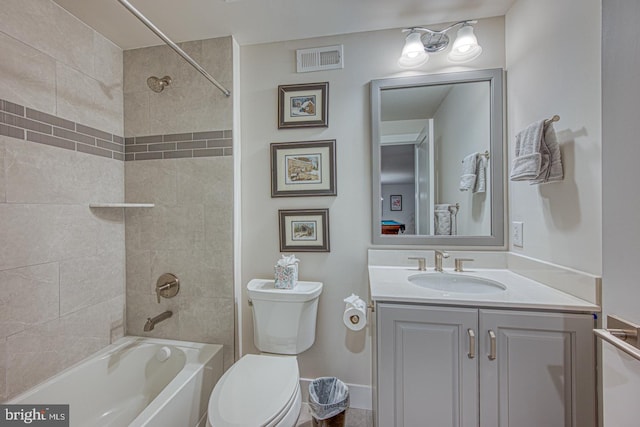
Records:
x=263, y=390
x=258, y=390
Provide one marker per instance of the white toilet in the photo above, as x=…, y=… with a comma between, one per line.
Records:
x=264, y=390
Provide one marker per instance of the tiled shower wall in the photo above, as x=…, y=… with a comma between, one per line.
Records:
x=61, y=264
x=189, y=231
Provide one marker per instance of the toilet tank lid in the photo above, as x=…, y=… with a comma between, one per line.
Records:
x=261, y=289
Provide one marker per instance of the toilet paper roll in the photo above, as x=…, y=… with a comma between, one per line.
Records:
x=355, y=313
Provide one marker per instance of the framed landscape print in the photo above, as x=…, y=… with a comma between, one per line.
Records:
x=303, y=168
x=303, y=105
x=304, y=230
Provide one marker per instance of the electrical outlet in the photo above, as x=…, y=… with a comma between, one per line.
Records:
x=518, y=238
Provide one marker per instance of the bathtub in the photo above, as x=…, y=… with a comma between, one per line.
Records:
x=136, y=382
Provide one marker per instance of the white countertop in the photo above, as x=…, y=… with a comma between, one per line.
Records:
x=391, y=284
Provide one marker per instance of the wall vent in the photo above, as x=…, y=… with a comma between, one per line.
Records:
x=319, y=58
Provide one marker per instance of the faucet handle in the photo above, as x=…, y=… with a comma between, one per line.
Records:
x=459, y=265
x=422, y=262
x=167, y=286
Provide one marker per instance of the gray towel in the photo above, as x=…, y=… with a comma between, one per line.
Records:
x=469, y=169
x=481, y=172
x=551, y=165
x=528, y=157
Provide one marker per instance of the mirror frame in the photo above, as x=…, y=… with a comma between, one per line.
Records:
x=496, y=166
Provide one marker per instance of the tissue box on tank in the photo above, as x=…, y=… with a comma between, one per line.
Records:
x=286, y=277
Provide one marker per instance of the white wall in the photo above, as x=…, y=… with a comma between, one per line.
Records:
x=553, y=67
x=407, y=215
x=621, y=232
x=368, y=56
x=461, y=127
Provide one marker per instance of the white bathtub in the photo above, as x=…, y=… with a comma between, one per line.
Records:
x=127, y=384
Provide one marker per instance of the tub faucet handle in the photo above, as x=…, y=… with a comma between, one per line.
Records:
x=167, y=286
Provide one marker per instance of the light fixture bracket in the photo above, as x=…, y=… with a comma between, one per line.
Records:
x=437, y=41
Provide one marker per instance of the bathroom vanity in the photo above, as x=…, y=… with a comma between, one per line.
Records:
x=486, y=348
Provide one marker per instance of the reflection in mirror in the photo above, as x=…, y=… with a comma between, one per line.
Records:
x=437, y=154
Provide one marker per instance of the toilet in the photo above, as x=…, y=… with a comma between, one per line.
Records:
x=264, y=390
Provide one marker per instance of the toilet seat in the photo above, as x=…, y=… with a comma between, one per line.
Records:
x=258, y=390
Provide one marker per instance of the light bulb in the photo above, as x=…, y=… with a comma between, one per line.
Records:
x=466, y=47
x=413, y=53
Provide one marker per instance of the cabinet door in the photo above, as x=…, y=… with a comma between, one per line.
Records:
x=543, y=373
x=425, y=374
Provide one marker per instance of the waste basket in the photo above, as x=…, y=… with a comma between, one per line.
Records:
x=328, y=402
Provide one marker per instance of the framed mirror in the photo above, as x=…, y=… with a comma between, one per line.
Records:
x=437, y=160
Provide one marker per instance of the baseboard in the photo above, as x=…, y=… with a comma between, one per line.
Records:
x=359, y=395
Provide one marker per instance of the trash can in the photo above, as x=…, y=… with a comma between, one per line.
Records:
x=328, y=402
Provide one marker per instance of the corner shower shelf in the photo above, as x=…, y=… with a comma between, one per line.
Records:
x=121, y=205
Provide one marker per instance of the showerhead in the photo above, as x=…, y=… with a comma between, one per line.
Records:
x=156, y=84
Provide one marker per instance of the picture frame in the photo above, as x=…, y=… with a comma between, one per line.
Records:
x=303, y=105
x=395, y=202
x=305, y=168
x=304, y=230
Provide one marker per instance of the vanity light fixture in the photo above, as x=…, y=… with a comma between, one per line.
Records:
x=422, y=41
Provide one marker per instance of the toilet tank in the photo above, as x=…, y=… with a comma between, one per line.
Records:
x=284, y=320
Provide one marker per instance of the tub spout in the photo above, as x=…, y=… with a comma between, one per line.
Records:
x=151, y=322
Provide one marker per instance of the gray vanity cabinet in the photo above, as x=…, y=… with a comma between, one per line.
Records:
x=442, y=366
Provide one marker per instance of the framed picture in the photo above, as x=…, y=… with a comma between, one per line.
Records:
x=304, y=230
x=396, y=203
x=303, y=168
x=303, y=105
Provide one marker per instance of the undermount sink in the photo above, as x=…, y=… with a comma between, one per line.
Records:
x=462, y=284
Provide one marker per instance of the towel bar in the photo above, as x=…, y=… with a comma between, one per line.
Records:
x=485, y=154
x=621, y=334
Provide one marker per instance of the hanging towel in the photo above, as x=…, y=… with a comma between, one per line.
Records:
x=468, y=177
x=442, y=219
x=481, y=172
x=528, y=158
x=445, y=219
x=551, y=165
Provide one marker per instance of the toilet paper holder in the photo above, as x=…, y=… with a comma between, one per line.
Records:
x=355, y=318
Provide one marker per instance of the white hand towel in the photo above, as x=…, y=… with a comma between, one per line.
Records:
x=481, y=179
x=528, y=157
x=468, y=177
x=442, y=223
x=551, y=166
x=445, y=219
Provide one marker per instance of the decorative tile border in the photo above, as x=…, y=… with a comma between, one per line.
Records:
x=20, y=122
x=179, y=145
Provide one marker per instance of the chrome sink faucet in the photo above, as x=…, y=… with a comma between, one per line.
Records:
x=439, y=255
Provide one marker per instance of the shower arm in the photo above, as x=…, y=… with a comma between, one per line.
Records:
x=173, y=46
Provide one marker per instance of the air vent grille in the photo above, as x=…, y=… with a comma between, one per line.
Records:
x=319, y=58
